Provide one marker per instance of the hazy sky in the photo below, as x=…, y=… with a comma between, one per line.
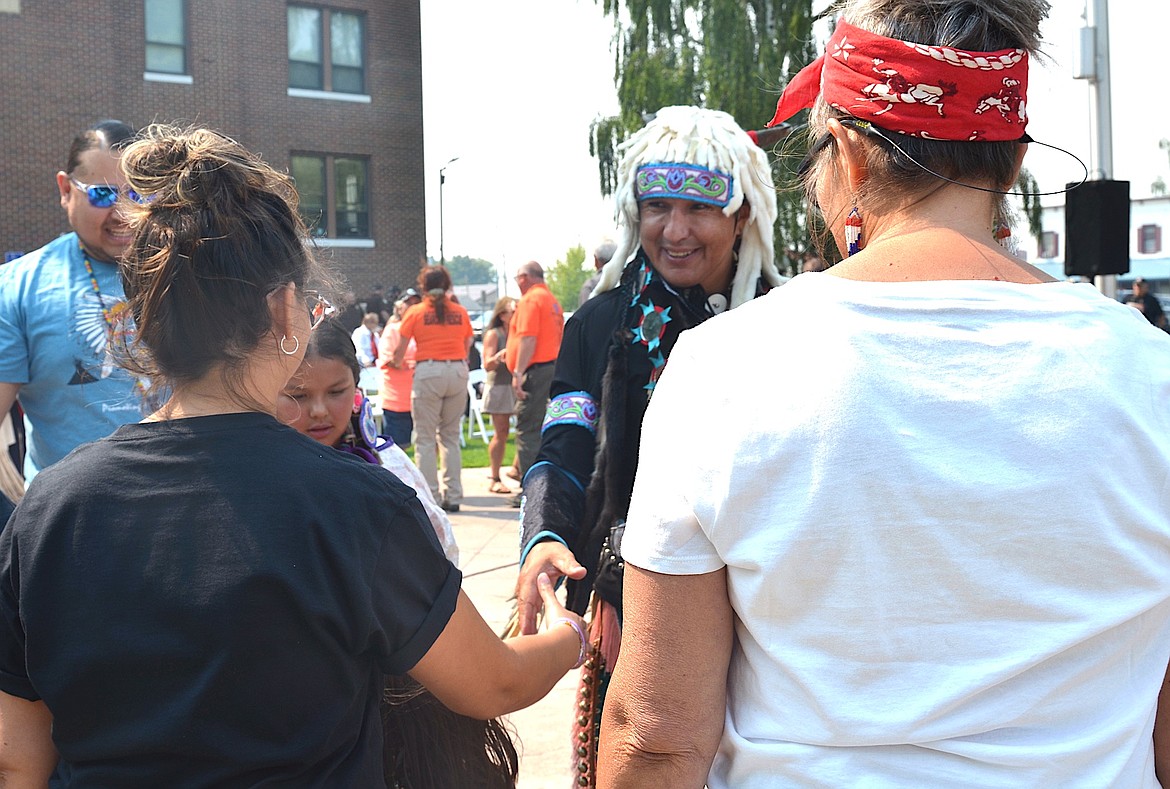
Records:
x=510, y=88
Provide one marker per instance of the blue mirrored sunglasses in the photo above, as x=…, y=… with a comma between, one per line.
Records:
x=104, y=195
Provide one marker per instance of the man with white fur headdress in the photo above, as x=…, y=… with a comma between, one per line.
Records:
x=695, y=207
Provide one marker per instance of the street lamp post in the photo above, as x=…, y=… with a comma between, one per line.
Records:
x=443, y=180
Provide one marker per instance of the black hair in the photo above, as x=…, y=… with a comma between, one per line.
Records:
x=427, y=746
x=103, y=135
x=330, y=340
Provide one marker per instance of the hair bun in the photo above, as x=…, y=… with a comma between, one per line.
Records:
x=196, y=169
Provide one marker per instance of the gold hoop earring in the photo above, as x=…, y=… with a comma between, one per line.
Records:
x=296, y=347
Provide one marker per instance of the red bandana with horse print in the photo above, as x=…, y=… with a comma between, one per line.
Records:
x=940, y=93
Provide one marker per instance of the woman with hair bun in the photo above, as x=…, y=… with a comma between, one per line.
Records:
x=944, y=561
x=441, y=329
x=208, y=597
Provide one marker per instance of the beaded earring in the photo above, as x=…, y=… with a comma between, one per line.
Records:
x=853, y=232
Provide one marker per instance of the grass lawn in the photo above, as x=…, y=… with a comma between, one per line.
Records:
x=475, y=454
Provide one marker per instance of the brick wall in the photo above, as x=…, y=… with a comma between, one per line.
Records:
x=59, y=74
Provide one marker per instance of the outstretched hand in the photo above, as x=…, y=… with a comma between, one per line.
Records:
x=553, y=607
x=554, y=560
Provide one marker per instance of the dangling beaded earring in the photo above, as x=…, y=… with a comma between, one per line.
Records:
x=853, y=232
x=1001, y=232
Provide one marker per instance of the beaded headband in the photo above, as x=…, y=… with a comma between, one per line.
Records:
x=684, y=182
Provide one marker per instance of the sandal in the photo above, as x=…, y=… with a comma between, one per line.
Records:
x=498, y=487
x=513, y=472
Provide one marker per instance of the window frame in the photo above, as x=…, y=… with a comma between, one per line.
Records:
x=327, y=221
x=325, y=47
x=155, y=74
x=1048, y=242
x=1154, y=238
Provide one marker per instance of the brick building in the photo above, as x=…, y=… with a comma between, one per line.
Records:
x=332, y=93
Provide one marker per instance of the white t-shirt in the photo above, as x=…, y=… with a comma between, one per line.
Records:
x=365, y=343
x=400, y=464
x=944, y=510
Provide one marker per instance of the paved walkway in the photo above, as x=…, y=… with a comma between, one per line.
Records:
x=487, y=532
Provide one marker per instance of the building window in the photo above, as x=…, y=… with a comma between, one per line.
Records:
x=334, y=194
x=166, y=36
x=1049, y=244
x=326, y=50
x=1149, y=239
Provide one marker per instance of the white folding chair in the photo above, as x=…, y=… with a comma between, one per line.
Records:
x=475, y=405
x=370, y=382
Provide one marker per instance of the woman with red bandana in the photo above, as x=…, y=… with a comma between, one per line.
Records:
x=912, y=568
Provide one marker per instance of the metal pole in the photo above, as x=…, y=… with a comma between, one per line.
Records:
x=443, y=180
x=1102, y=114
x=1102, y=155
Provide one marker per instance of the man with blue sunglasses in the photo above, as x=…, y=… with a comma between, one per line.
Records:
x=61, y=305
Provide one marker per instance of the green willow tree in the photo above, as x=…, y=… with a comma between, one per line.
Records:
x=566, y=278
x=465, y=270
x=1029, y=189
x=730, y=55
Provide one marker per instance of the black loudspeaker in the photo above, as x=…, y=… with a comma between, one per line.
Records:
x=1096, y=229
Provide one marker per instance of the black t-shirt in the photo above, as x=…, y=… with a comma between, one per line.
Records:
x=213, y=602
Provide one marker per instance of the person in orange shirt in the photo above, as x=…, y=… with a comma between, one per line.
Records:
x=441, y=330
x=397, y=382
x=533, y=344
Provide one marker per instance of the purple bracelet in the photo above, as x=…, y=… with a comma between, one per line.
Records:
x=580, y=634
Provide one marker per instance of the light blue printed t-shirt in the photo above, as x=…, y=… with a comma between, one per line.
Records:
x=53, y=341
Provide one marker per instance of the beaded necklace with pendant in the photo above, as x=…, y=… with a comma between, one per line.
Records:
x=106, y=316
x=97, y=291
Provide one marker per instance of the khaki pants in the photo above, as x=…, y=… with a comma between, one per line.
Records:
x=437, y=401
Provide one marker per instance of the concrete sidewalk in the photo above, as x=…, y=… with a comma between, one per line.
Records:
x=487, y=531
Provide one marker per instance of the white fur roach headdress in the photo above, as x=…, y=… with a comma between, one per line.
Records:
x=713, y=140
